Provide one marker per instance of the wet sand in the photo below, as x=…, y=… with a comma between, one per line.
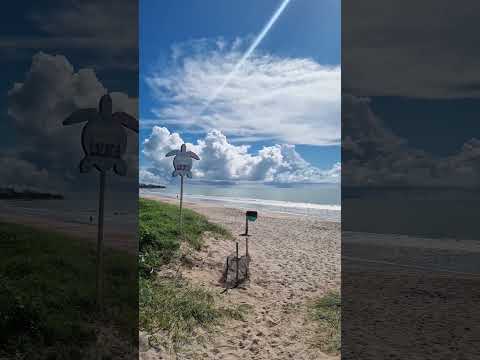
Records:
x=407, y=297
x=113, y=237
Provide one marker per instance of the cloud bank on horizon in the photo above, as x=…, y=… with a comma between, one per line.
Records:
x=221, y=160
x=374, y=156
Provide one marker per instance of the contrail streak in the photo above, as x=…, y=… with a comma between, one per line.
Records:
x=249, y=51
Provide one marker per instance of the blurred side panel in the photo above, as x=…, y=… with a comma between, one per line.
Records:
x=410, y=180
x=57, y=301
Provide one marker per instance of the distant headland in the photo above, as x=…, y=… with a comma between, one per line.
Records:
x=152, y=186
x=10, y=193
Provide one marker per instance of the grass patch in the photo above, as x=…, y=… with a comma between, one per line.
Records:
x=172, y=306
x=176, y=308
x=47, y=294
x=159, y=234
x=327, y=312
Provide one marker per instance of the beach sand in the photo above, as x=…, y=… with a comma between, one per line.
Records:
x=295, y=259
x=113, y=236
x=407, y=297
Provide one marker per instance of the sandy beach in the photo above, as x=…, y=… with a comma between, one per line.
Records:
x=113, y=236
x=410, y=297
x=295, y=259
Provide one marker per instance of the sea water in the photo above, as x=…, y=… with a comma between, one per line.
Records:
x=121, y=209
x=120, y=212
x=319, y=200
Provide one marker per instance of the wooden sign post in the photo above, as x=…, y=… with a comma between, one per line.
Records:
x=104, y=142
x=182, y=164
x=237, y=260
x=250, y=215
x=99, y=262
x=181, y=204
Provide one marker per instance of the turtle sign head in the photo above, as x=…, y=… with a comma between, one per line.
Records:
x=105, y=107
x=183, y=148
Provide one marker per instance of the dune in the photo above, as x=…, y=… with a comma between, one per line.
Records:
x=295, y=259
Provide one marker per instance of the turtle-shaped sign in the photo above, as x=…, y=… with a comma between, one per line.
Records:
x=182, y=162
x=104, y=140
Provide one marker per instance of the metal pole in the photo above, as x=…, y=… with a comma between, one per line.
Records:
x=100, y=243
x=246, y=226
x=181, y=205
x=247, y=275
x=226, y=274
x=236, y=276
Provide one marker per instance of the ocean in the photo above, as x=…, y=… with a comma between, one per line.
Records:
x=120, y=210
x=319, y=200
x=419, y=212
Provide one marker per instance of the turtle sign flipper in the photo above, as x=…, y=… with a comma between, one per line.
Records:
x=172, y=153
x=120, y=167
x=193, y=155
x=126, y=120
x=175, y=173
x=189, y=174
x=86, y=165
x=81, y=115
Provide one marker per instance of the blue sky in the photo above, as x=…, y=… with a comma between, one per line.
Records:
x=210, y=37
x=427, y=124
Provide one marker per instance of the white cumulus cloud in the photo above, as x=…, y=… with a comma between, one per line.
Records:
x=288, y=100
x=375, y=156
x=222, y=160
x=48, y=151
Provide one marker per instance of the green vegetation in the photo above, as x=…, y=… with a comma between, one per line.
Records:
x=47, y=294
x=327, y=312
x=173, y=306
x=177, y=308
x=159, y=235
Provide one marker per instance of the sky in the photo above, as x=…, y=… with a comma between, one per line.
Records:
x=253, y=87
x=410, y=94
x=57, y=57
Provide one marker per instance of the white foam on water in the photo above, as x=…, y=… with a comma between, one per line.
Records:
x=274, y=203
x=324, y=211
